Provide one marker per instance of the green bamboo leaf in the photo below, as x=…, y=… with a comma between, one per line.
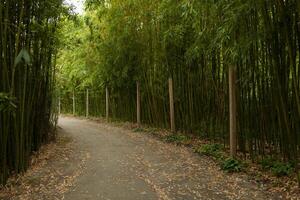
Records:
x=7, y=102
x=23, y=55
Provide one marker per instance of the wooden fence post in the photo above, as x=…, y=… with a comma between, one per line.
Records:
x=59, y=106
x=232, y=111
x=107, y=104
x=171, y=96
x=138, y=103
x=74, y=106
x=87, y=103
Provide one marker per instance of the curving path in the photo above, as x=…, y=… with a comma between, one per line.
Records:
x=126, y=165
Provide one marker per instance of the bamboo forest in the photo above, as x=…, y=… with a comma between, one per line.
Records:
x=219, y=79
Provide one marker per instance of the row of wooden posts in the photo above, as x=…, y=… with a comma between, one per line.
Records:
x=232, y=108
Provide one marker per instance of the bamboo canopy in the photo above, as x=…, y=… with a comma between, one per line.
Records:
x=196, y=43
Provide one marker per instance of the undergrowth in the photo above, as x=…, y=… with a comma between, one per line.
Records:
x=177, y=138
x=278, y=168
x=228, y=164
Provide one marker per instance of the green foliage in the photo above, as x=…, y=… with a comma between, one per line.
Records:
x=217, y=151
x=214, y=150
x=74, y=73
x=282, y=169
x=23, y=55
x=7, y=103
x=28, y=46
x=138, y=129
x=120, y=42
x=176, y=138
x=278, y=168
x=231, y=165
x=267, y=162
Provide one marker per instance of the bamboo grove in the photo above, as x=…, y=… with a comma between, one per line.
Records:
x=195, y=43
x=27, y=49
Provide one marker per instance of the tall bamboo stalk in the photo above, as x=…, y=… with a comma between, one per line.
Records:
x=27, y=84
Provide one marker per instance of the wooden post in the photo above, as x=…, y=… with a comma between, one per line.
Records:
x=232, y=111
x=171, y=96
x=74, y=107
x=87, y=103
x=59, y=106
x=107, y=104
x=138, y=104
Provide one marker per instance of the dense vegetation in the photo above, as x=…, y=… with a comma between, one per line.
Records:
x=27, y=68
x=195, y=43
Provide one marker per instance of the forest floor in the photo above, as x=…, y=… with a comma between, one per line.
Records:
x=94, y=160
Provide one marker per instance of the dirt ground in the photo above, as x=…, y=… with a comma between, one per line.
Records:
x=99, y=161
